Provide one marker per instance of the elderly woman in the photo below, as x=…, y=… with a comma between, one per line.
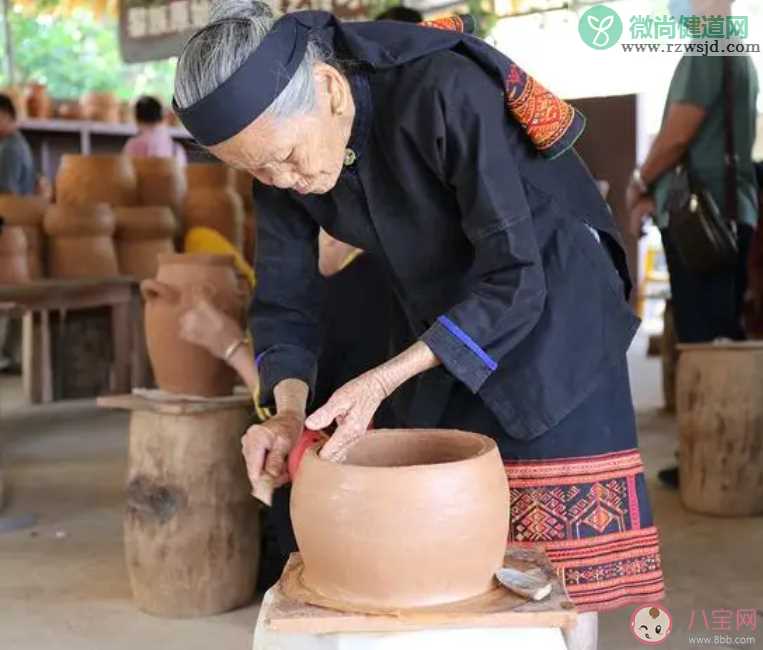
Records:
x=442, y=159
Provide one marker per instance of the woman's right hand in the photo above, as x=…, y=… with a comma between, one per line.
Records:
x=266, y=446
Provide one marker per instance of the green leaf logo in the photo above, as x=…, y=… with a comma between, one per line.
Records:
x=600, y=27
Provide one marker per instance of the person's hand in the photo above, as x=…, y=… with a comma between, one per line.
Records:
x=644, y=208
x=352, y=407
x=266, y=447
x=207, y=326
x=632, y=195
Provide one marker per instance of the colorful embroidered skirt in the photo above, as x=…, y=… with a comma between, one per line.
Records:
x=586, y=513
x=579, y=492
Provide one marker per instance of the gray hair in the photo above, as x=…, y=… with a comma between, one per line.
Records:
x=236, y=28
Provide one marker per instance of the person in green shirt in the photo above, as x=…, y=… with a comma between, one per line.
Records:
x=706, y=306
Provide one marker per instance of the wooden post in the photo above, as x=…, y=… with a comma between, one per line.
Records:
x=192, y=532
x=9, y=53
x=720, y=422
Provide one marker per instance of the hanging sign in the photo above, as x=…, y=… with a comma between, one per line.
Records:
x=150, y=30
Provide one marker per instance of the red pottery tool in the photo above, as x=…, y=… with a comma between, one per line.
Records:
x=263, y=489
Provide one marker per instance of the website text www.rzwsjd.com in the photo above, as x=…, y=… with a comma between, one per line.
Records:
x=704, y=49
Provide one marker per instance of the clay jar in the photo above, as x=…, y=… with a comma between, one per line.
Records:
x=161, y=181
x=143, y=233
x=411, y=518
x=181, y=367
x=38, y=102
x=100, y=107
x=213, y=202
x=27, y=212
x=81, y=244
x=86, y=180
x=14, y=268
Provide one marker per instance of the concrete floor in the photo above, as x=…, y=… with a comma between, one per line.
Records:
x=63, y=584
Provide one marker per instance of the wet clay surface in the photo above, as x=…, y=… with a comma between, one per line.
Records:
x=410, y=518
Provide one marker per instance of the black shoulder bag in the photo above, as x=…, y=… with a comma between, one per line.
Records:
x=706, y=239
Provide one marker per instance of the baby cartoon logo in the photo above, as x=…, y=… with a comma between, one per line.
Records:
x=651, y=624
x=600, y=27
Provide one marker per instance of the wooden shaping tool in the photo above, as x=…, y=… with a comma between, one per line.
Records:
x=263, y=488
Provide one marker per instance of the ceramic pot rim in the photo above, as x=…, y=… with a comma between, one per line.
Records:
x=486, y=446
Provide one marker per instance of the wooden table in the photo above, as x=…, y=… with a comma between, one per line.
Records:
x=510, y=622
x=36, y=300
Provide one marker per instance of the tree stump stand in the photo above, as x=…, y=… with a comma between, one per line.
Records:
x=192, y=530
x=720, y=422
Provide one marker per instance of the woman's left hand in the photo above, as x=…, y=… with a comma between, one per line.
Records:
x=352, y=407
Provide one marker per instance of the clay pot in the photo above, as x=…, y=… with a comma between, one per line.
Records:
x=39, y=104
x=181, y=367
x=86, y=180
x=81, y=244
x=69, y=111
x=100, y=106
x=143, y=233
x=161, y=181
x=27, y=212
x=213, y=202
x=14, y=268
x=410, y=518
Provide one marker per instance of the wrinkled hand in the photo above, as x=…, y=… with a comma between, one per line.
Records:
x=352, y=407
x=267, y=445
x=207, y=326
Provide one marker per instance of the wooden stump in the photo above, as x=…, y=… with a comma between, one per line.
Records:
x=720, y=421
x=669, y=354
x=192, y=538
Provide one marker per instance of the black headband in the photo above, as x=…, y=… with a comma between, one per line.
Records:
x=254, y=86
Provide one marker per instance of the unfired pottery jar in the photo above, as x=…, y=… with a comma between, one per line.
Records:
x=213, y=202
x=27, y=212
x=411, y=518
x=39, y=104
x=143, y=233
x=181, y=367
x=161, y=181
x=81, y=241
x=14, y=268
x=100, y=107
x=85, y=180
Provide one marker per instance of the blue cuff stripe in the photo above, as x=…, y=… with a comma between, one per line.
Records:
x=462, y=336
x=258, y=358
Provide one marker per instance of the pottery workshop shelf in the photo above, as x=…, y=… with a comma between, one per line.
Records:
x=50, y=307
x=51, y=139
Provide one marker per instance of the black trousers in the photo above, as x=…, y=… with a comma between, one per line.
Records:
x=707, y=306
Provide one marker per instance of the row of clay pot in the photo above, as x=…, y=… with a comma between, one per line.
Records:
x=182, y=280
x=35, y=102
x=90, y=240
x=210, y=195
x=98, y=241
